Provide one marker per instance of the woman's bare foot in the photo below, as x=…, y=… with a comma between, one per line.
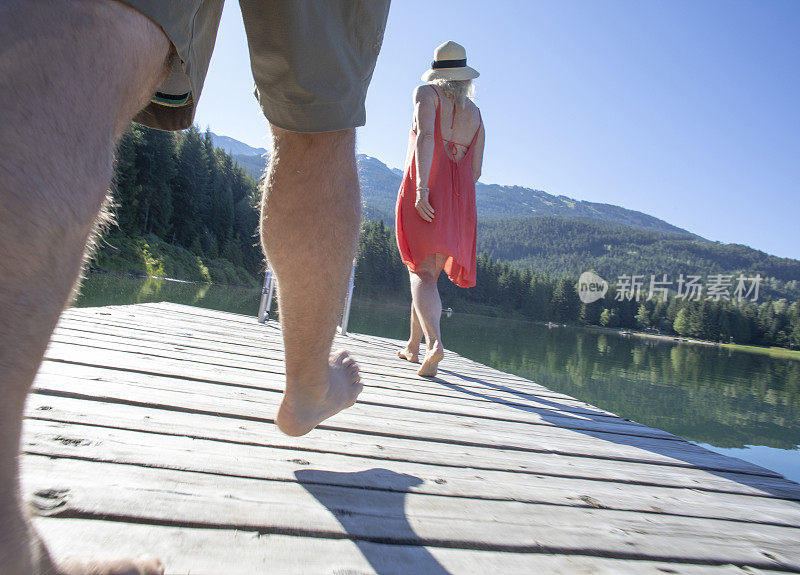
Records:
x=410, y=353
x=302, y=412
x=22, y=551
x=430, y=364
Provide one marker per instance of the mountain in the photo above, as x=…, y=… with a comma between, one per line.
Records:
x=569, y=246
x=253, y=165
x=235, y=147
x=379, y=185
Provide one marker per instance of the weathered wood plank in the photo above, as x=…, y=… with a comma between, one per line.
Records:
x=379, y=420
x=237, y=355
x=391, y=368
x=263, y=462
x=446, y=390
x=180, y=498
x=236, y=552
x=265, y=385
x=249, y=331
x=386, y=448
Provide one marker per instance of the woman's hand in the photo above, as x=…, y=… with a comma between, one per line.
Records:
x=423, y=206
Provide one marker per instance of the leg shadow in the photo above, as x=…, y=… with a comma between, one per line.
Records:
x=370, y=505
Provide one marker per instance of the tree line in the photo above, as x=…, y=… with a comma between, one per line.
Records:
x=543, y=297
x=178, y=187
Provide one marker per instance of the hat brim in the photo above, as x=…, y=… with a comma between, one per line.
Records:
x=463, y=73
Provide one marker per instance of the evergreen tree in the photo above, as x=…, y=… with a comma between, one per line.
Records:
x=156, y=164
x=682, y=323
x=609, y=318
x=642, y=317
x=564, y=304
x=190, y=190
x=125, y=188
x=591, y=312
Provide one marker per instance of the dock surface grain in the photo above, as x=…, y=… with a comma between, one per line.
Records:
x=150, y=430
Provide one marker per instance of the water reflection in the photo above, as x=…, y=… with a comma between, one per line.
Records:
x=706, y=394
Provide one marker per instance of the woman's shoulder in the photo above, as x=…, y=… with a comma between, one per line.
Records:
x=424, y=92
x=473, y=110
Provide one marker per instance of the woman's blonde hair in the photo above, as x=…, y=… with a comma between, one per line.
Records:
x=458, y=90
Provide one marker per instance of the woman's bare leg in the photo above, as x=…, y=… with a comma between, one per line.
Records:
x=411, y=351
x=428, y=305
x=73, y=75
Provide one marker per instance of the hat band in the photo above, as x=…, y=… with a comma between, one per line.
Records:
x=448, y=64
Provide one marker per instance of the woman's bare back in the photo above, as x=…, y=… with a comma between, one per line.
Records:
x=461, y=130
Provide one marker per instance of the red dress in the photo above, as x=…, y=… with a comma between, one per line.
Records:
x=453, y=231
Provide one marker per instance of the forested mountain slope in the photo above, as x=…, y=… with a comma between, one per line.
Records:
x=562, y=246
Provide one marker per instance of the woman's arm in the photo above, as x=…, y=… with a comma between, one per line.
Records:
x=424, y=118
x=477, y=154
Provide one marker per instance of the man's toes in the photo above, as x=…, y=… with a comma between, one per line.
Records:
x=340, y=357
x=142, y=566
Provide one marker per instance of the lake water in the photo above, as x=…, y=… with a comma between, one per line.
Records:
x=741, y=404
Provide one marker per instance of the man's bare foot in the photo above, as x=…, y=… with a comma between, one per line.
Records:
x=430, y=364
x=142, y=566
x=410, y=353
x=301, y=412
x=22, y=551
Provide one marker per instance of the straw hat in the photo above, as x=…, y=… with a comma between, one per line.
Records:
x=450, y=63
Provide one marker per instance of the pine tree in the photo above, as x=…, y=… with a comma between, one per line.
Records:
x=643, y=317
x=609, y=318
x=682, y=324
x=156, y=164
x=189, y=190
x=564, y=304
x=125, y=189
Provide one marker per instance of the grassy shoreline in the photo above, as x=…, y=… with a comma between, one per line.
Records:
x=150, y=256
x=776, y=352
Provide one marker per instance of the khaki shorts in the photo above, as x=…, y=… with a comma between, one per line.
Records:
x=312, y=60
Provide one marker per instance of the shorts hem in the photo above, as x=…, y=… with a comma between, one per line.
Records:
x=313, y=118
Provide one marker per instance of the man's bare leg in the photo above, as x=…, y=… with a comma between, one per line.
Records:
x=72, y=74
x=310, y=217
x=411, y=351
x=428, y=304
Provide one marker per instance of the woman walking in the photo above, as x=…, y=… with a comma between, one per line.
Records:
x=436, y=221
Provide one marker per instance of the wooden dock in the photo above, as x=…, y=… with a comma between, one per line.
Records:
x=150, y=430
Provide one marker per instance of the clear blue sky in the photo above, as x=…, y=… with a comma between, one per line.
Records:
x=685, y=110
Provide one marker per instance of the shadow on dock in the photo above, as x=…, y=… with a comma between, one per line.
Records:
x=379, y=494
